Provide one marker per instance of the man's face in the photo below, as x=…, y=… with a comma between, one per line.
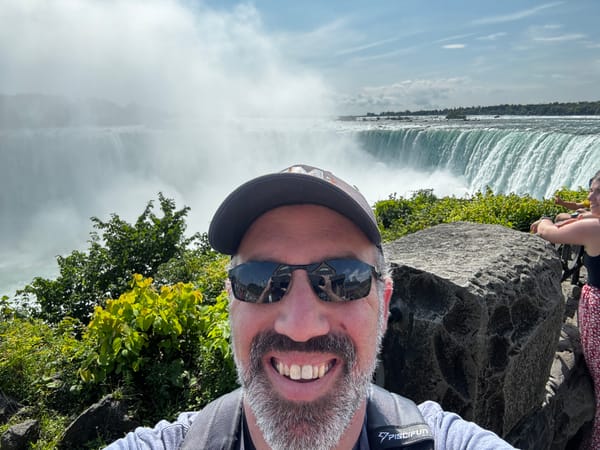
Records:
x=305, y=364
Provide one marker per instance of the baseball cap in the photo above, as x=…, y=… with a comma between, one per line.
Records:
x=298, y=184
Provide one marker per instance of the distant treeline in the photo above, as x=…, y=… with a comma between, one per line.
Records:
x=546, y=109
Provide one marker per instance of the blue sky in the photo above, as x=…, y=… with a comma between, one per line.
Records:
x=428, y=54
x=335, y=57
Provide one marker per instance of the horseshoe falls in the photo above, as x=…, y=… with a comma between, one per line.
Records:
x=54, y=179
x=534, y=156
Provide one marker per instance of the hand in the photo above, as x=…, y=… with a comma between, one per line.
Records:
x=534, y=226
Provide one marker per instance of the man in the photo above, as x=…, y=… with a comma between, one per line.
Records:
x=310, y=291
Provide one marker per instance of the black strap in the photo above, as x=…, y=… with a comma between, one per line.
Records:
x=216, y=425
x=395, y=422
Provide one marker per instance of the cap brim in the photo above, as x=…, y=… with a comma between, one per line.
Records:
x=254, y=198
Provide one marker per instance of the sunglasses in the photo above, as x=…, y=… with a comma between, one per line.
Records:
x=334, y=280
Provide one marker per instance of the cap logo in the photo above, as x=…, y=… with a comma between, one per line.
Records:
x=313, y=171
x=318, y=173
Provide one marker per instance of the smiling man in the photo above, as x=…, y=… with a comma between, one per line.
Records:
x=309, y=290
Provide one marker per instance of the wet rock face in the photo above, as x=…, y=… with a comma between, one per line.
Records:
x=475, y=320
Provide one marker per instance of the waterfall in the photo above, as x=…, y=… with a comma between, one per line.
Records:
x=55, y=179
x=519, y=159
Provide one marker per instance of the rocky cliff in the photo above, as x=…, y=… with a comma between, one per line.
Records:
x=479, y=323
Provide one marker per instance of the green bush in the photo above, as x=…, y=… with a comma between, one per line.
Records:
x=39, y=362
x=201, y=266
x=163, y=346
x=578, y=195
x=117, y=251
x=400, y=216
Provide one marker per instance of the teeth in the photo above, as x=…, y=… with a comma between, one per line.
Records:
x=306, y=372
x=321, y=370
x=295, y=372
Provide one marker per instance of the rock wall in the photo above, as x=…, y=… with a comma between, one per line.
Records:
x=476, y=316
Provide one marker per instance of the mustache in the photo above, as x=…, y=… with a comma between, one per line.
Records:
x=335, y=343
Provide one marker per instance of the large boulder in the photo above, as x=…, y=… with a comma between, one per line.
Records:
x=20, y=435
x=106, y=419
x=8, y=407
x=564, y=419
x=476, y=316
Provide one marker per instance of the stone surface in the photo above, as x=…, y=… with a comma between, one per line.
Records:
x=568, y=406
x=8, y=407
x=20, y=435
x=476, y=316
x=105, y=419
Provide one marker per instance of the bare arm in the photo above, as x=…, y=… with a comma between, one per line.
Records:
x=569, y=205
x=585, y=231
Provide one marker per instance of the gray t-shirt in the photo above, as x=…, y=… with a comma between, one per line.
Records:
x=450, y=432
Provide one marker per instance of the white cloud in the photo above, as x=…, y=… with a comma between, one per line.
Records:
x=515, y=16
x=367, y=46
x=407, y=94
x=385, y=55
x=454, y=38
x=561, y=38
x=551, y=27
x=492, y=37
x=453, y=46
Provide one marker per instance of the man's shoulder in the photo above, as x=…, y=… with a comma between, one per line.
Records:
x=430, y=409
x=164, y=435
x=456, y=432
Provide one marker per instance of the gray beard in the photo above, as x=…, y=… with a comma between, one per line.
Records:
x=318, y=425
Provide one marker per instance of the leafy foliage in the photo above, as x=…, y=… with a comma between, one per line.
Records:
x=38, y=363
x=201, y=265
x=400, y=216
x=164, y=345
x=572, y=196
x=117, y=250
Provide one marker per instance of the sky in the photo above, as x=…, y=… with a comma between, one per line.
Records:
x=312, y=57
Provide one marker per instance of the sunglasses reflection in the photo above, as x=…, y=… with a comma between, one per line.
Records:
x=328, y=288
x=337, y=280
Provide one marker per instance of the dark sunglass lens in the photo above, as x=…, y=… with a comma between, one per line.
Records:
x=336, y=280
x=359, y=289
x=357, y=277
x=251, y=281
x=320, y=287
x=340, y=280
x=279, y=287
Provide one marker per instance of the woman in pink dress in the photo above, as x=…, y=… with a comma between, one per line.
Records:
x=584, y=230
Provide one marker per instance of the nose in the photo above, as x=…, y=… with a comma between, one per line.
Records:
x=302, y=315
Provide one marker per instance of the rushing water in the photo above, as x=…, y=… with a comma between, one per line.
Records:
x=55, y=179
x=521, y=155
